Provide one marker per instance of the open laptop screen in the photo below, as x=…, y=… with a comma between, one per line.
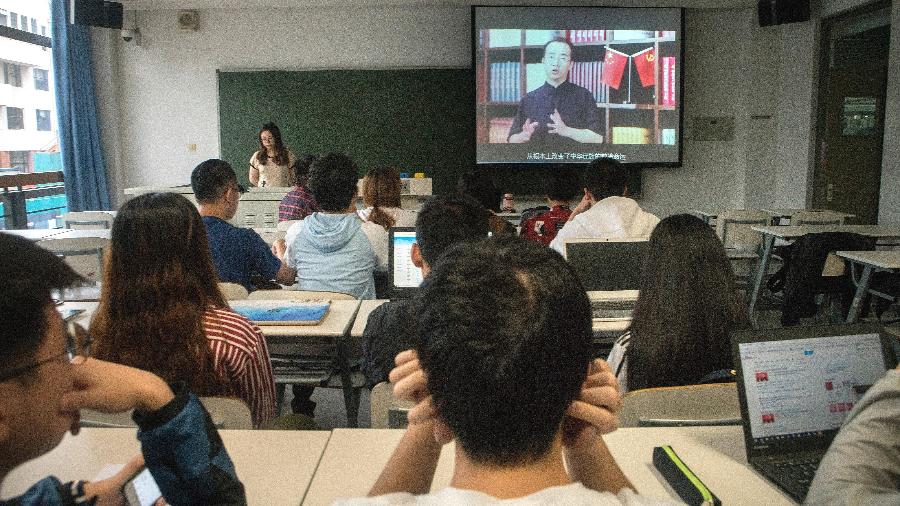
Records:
x=804, y=387
x=404, y=274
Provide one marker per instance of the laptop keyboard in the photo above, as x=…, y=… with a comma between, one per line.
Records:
x=794, y=475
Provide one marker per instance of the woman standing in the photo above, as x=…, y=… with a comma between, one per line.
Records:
x=161, y=309
x=271, y=164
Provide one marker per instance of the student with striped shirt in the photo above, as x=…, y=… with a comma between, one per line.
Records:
x=161, y=310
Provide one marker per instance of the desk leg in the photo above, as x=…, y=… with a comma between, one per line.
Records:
x=761, y=268
x=861, y=289
x=351, y=395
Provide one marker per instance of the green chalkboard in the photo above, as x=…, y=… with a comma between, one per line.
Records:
x=419, y=120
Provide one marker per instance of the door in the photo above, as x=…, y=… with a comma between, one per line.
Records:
x=851, y=113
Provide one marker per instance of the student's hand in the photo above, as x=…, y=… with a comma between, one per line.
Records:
x=583, y=205
x=411, y=384
x=556, y=125
x=109, y=491
x=278, y=248
x=113, y=388
x=595, y=411
x=526, y=133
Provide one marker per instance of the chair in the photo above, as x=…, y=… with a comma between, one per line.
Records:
x=714, y=404
x=225, y=412
x=297, y=295
x=284, y=225
x=816, y=218
x=83, y=254
x=733, y=228
x=87, y=220
x=233, y=291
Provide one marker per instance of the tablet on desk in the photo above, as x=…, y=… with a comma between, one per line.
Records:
x=283, y=312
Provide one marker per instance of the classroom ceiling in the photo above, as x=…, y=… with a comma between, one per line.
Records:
x=249, y=4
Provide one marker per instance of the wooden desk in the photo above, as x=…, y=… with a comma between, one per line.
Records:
x=871, y=261
x=66, y=233
x=354, y=458
x=276, y=467
x=779, y=213
x=707, y=217
x=35, y=234
x=770, y=233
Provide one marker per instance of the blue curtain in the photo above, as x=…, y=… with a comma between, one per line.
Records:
x=76, y=109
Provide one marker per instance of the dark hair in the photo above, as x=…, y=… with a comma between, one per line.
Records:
x=606, y=177
x=301, y=169
x=505, y=339
x=29, y=274
x=687, y=305
x=381, y=188
x=281, y=153
x=332, y=181
x=559, y=39
x=445, y=221
x=158, y=282
x=479, y=185
x=562, y=185
x=211, y=179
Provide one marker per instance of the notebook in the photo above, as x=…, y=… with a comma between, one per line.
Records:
x=282, y=312
x=796, y=386
x=403, y=276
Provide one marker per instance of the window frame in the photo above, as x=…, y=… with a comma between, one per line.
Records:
x=48, y=119
x=21, y=116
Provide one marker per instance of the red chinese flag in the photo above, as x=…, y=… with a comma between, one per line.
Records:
x=644, y=62
x=613, y=68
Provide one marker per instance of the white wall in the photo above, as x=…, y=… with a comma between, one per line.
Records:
x=889, y=204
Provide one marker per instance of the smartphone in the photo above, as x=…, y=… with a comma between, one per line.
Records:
x=141, y=490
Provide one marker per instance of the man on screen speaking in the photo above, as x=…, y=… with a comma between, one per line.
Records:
x=558, y=112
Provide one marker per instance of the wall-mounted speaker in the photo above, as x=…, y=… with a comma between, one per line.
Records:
x=95, y=13
x=779, y=12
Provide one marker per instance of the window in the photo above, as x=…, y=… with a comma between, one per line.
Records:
x=15, y=120
x=33, y=25
x=43, y=120
x=12, y=74
x=43, y=30
x=4, y=17
x=13, y=20
x=18, y=159
x=24, y=23
x=41, y=81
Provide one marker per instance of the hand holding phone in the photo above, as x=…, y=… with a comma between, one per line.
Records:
x=141, y=490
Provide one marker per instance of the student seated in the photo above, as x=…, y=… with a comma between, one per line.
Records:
x=605, y=211
x=442, y=222
x=504, y=367
x=299, y=202
x=45, y=380
x=161, y=309
x=381, y=196
x=560, y=189
x=478, y=185
x=862, y=465
x=238, y=253
x=329, y=249
x=688, y=303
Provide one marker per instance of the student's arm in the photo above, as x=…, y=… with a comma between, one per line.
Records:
x=286, y=274
x=592, y=414
x=250, y=370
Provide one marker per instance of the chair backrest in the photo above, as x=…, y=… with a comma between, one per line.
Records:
x=297, y=295
x=387, y=411
x=816, y=218
x=233, y=291
x=83, y=254
x=284, y=225
x=733, y=228
x=226, y=413
x=714, y=404
x=87, y=220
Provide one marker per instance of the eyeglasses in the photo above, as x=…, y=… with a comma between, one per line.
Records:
x=78, y=343
x=267, y=139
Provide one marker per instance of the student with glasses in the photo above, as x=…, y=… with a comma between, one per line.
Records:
x=46, y=378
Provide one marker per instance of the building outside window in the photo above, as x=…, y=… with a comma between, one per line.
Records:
x=12, y=74
x=19, y=160
x=41, y=79
x=43, y=120
x=15, y=118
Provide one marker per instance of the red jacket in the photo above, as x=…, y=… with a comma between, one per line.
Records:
x=543, y=227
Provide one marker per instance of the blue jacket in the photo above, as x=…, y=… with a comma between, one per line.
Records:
x=183, y=452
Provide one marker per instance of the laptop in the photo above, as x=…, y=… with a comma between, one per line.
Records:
x=610, y=271
x=403, y=276
x=796, y=386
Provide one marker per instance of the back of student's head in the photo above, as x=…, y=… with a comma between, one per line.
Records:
x=478, y=185
x=332, y=181
x=211, y=179
x=381, y=188
x=606, y=177
x=301, y=169
x=562, y=185
x=445, y=221
x=687, y=305
x=505, y=338
x=158, y=281
x=29, y=274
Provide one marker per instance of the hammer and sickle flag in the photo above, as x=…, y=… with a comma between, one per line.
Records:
x=643, y=62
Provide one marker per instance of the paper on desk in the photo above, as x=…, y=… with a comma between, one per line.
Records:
x=108, y=471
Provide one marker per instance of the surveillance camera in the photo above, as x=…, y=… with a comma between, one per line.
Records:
x=129, y=35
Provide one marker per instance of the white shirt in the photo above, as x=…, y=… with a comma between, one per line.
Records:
x=611, y=218
x=575, y=494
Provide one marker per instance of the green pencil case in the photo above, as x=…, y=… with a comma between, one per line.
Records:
x=682, y=479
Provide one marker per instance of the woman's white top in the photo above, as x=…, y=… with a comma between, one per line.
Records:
x=272, y=174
